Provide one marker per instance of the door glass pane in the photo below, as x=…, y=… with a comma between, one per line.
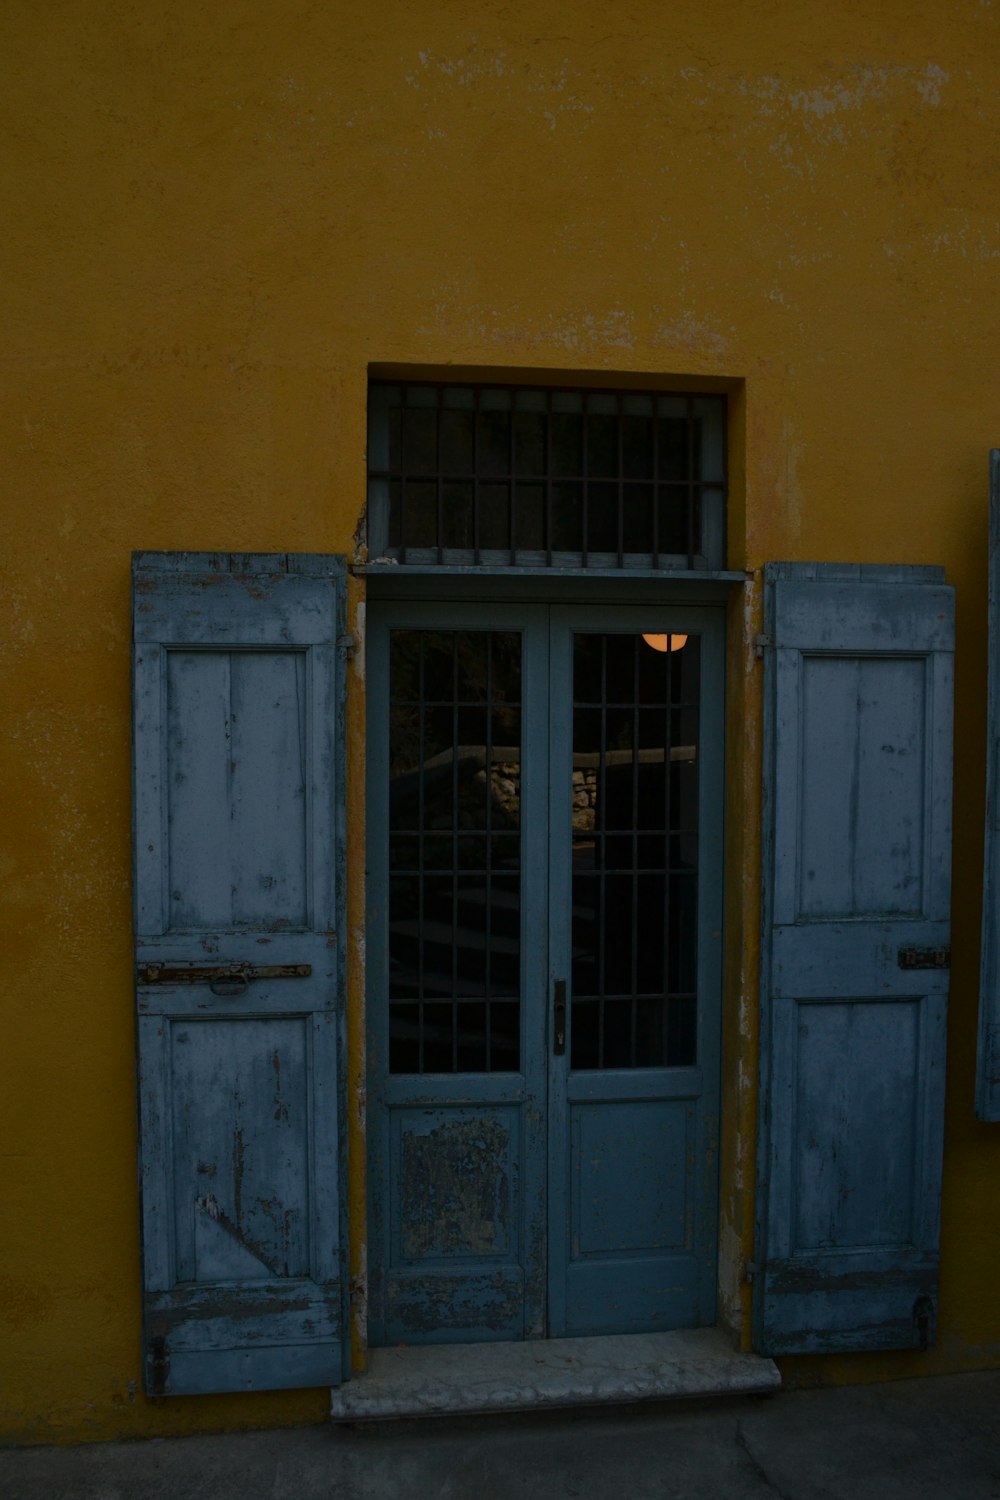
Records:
x=635, y=850
x=454, y=851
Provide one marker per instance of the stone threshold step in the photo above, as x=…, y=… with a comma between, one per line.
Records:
x=460, y=1379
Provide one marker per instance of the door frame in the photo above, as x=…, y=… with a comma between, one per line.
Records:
x=433, y=593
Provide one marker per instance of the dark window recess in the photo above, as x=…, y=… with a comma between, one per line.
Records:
x=635, y=851
x=454, y=851
x=504, y=476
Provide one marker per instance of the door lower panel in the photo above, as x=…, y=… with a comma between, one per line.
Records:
x=455, y=1212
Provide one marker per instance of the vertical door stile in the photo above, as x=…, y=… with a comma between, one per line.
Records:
x=559, y=969
x=538, y=902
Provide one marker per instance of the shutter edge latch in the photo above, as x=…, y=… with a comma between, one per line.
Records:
x=924, y=958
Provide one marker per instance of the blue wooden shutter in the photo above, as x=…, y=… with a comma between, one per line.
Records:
x=239, y=951
x=988, y=1061
x=858, y=690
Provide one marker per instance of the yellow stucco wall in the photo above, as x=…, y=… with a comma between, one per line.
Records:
x=217, y=216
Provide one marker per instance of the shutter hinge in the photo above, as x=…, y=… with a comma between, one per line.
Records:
x=750, y=1269
x=760, y=643
x=923, y=1321
x=993, y=1055
x=160, y=1363
x=346, y=647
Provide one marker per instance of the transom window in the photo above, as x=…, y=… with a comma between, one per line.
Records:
x=501, y=476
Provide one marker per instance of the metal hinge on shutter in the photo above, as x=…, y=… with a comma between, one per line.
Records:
x=159, y=1366
x=760, y=644
x=924, y=1320
x=993, y=1056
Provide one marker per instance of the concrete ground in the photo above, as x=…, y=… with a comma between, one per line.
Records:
x=909, y=1440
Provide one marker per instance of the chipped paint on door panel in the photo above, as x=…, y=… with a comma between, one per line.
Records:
x=455, y=1187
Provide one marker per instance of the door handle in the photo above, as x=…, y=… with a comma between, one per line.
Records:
x=559, y=1017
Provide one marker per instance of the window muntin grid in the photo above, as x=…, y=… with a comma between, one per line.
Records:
x=454, y=851
x=521, y=476
x=635, y=851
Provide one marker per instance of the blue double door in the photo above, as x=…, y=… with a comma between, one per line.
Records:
x=544, y=951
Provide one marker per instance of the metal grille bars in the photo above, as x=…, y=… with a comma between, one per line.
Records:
x=499, y=476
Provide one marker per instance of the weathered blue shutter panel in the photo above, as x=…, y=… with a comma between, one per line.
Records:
x=239, y=952
x=988, y=1063
x=855, y=953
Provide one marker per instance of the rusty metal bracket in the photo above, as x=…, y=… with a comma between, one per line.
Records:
x=213, y=974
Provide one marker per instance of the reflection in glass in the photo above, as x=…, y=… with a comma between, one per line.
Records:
x=635, y=850
x=454, y=851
